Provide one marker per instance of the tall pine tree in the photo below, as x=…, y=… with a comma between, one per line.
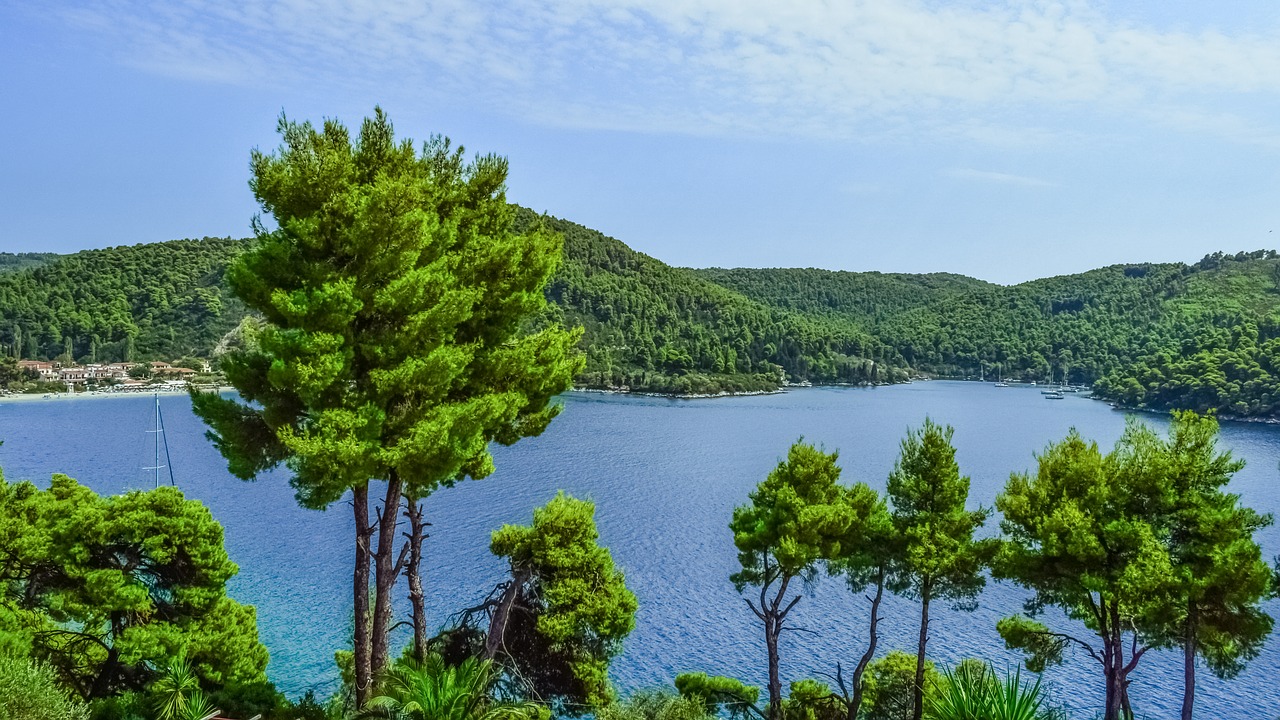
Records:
x=1218, y=574
x=941, y=559
x=397, y=302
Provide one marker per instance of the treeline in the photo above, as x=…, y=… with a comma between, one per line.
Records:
x=1142, y=546
x=161, y=300
x=650, y=326
x=1161, y=336
x=116, y=607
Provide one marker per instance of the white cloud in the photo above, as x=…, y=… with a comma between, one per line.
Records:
x=753, y=67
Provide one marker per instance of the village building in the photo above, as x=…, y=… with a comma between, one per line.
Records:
x=47, y=371
x=73, y=375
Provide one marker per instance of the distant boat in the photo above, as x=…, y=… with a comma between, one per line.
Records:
x=1053, y=395
x=1002, y=384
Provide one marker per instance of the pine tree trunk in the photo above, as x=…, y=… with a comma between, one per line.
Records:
x=384, y=578
x=855, y=702
x=417, y=533
x=771, y=632
x=1113, y=663
x=360, y=590
x=1112, y=709
x=502, y=613
x=1189, y=666
x=917, y=706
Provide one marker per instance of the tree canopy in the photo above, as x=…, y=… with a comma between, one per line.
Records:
x=396, y=299
x=566, y=609
x=106, y=589
x=1081, y=536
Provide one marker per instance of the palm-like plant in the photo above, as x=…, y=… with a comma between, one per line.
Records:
x=434, y=690
x=979, y=694
x=178, y=693
x=1013, y=700
x=199, y=707
x=962, y=694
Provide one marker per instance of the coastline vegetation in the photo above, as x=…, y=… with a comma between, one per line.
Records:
x=404, y=326
x=1200, y=337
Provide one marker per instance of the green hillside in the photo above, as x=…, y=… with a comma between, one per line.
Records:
x=160, y=300
x=1163, y=336
x=865, y=297
x=651, y=326
x=648, y=326
x=1203, y=336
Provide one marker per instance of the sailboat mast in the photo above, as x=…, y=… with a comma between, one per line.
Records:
x=168, y=461
x=159, y=433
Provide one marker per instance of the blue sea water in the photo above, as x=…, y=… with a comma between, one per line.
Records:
x=665, y=476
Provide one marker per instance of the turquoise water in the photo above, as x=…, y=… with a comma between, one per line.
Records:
x=665, y=476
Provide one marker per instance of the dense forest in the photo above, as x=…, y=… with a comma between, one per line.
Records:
x=650, y=326
x=1203, y=336
x=161, y=300
x=1163, y=336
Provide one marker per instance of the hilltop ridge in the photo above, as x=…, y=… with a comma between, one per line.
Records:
x=1203, y=336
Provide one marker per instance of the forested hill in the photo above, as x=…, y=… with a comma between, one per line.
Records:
x=1203, y=336
x=865, y=297
x=648, y=325
x=160, y=300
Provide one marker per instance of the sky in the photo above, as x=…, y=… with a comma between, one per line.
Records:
x=1004, y=140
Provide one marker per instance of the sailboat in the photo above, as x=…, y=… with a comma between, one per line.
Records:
x=1000, y=378
x=160, y=440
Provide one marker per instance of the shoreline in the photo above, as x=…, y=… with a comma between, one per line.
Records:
x=679, y=396
x=45, y=397
x=1250, y=419
x=39, y=397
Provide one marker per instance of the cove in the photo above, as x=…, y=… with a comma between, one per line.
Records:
x=665, y=475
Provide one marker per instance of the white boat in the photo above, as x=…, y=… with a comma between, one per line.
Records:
x=1053, y=395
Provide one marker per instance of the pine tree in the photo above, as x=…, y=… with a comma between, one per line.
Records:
x=941, y=557
x=397, y=301
x=796, y=520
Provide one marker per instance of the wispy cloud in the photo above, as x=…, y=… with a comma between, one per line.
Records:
x=746, y=67
x=997, y=177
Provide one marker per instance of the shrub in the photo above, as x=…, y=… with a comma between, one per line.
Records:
x=29, y=691
x=890, y=685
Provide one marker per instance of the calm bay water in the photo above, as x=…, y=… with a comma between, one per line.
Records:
x=665, y=476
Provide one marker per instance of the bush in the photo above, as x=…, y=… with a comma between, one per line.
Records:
x=812, y=700
x=655, y=705
x=126, y=706
x=890, y=685
x=29, y=691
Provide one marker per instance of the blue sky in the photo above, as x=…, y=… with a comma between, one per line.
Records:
x=1005, y=140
